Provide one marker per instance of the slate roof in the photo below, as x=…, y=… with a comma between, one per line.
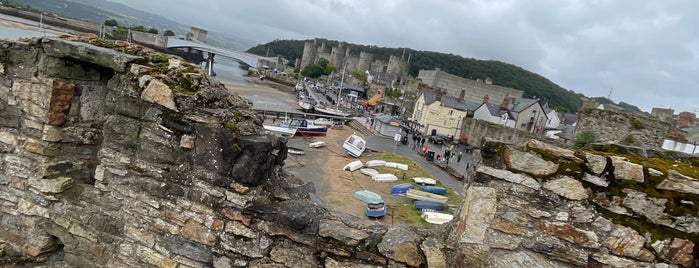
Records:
x=386, y=119
x=450, y=102
x=519, y=104
x=496, y=111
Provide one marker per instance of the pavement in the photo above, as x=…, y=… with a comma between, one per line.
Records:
x=387, y=144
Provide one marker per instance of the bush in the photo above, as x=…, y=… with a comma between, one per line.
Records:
x=583, y=139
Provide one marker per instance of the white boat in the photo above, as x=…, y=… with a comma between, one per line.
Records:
x=281, y=130
x=375, y=163
x=296, y=151
x=323, y=122
x=425, y=196
x=436, y=217
x=331, y=111
x=385, y=178
x=354, y=145
x=316, y=144
x=424, y=181
x=397, y=165
x=369, y=172
x=354, y=165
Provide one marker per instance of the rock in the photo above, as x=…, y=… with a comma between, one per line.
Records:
x=340, y=232
x=501, y=240
x=529, y=163
x=477, y=212
x=650, y=207
x=159, y=93
x=602, y=224
x=679, y=251
x=625, y=241
x=187, y=141
x=61, y=97
x=239, y=229
x=197, y=232
x=194, y=251
x=38, y=243
x=582, y=213
x=557, y=249
x=679, y=182
x=567, y=187
x=569, y=233
x=252, y=248
x=521, y=258
x=614, y=261
x=596, y=163
x=332, y=263
x=655, y=173
x=254, y=166
x=401, y=244
x=562, y=216
x=85, y=52
x=53, y=186
x=625, y=170
x=599, y=181
x=613, y=204
x=506, y=175
x=291, y=255
x=434, y=253
x=553, y=150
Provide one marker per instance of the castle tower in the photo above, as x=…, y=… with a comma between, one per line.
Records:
x=310, y=53
x=365, y=59
x=337, y=56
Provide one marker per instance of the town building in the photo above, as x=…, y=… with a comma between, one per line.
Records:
x=466, y=89
x=521, y=113
x=437, y=113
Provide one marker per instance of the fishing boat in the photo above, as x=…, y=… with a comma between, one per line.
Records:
x=367, y=196
x=354, y=165
x=323, y=122
x=425, y=196
x=401, y=188
x=316, y=144
x=397, y=165
x=296, y=151
x=281, y=130
x=436, y=217
x=305, y=128
x=375, y=210
x=354, y=145
x=331, y=111
x=375, y=163
x=369, y=172
x=385, y=178
x=434, y=189
x=306, y=106
x=424, y=181
x=426, y=205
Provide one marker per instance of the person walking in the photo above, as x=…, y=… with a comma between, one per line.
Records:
x=458, y=158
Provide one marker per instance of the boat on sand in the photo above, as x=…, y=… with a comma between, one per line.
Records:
x=367, y=196
x=354, y=145
x=425, y=196
x=375, y=210
x=436, y=217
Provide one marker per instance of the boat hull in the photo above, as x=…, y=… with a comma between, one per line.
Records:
x=436, y=217
x=368, y=196
x=402, y=188
x=316, y=131
x=425, y=196
x=375, y=210
x=354, y=145
x=434, y=189
x=426, y=205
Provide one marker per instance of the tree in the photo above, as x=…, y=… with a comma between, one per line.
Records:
x=111, y=22
x=359, y=75
x=394, y=93
x=583, y=139
x=153, y=30
x=312, y=71
x=169, y=33
x=329, y=69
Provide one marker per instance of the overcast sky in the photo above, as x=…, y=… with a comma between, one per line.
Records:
x=646, y=51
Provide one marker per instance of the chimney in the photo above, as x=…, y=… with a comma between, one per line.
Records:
x=486, y=98
x=462, y=94
x=439, y=96
x=505, y=104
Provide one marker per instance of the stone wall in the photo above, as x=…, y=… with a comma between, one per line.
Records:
x=618, y=127
x=474, y=91
x=110, y=159
x=476, y=130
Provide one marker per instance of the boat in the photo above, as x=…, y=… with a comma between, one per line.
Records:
x=281, y=130
x=397, y=165
x=305, y=106
x=305, y=128
x=425, y=196
x=436, y=217
x=401, y=188
x=323, y=122
x=369, y=172
x=354, y=165
x=331, y=111
x=375, y=210
x=434, y=189
x=426, y=205
x=354, y=145
x=375, y=163
x=296, y=151
x=316, y=144
x=424, y=181
x=385, y=178
x=367, y=196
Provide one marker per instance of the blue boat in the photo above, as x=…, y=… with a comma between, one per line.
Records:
x=376, y=210
x=401, y=188
x=425, y=205
x=434, y=189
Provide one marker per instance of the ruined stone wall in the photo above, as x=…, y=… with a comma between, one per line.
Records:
x=474, y=90
x=476, y=130
x=617, y=127
x=110, y=159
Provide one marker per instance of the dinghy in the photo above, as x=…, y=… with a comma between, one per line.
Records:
x=375, y=210
x=369, y=172
x=426, y=205
x=316, y=144
x=354, y=165
x=434, y=189
x=399, y=189
x=354, y=145
x=436, y=217
x=375, y=163
x=368, y=196
x=425, y=196
x=385, y=178
x=424, y=181
x=397, y=165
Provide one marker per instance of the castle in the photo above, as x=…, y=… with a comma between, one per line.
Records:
x=396, y=69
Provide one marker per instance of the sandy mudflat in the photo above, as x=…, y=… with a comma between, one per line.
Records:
x=25, y=26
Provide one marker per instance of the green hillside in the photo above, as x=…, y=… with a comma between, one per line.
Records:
x=503, y=74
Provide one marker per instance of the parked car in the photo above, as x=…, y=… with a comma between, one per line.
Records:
x=437, y=139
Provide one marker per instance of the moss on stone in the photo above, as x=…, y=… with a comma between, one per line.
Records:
x=657, y=232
